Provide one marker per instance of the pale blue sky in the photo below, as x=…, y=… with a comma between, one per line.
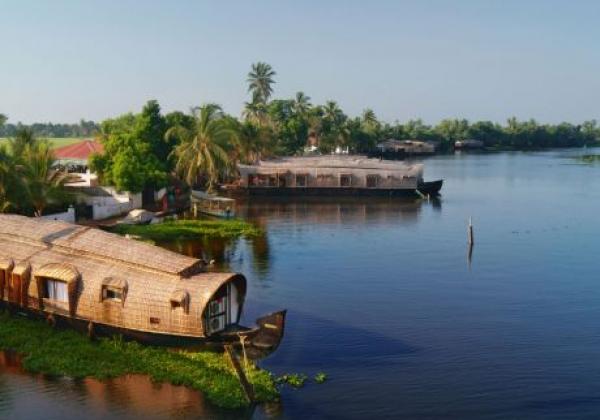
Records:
x=65, y=60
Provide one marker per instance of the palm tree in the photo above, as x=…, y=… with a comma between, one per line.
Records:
x=203, y=150
x=8, y=181
x=43, y=185
x=254, y=141
x=333, y=113
x=256, y=111
x=301, y=104
x=369, y=119
x=260, y=81
x=24, y=137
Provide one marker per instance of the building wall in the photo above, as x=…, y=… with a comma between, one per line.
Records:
x=68, y=216
x=114, y=204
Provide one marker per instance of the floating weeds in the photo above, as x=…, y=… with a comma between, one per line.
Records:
x=589, y=158
x=320, y=377
x=69, y=353
x=296, y=380
x=189, y=229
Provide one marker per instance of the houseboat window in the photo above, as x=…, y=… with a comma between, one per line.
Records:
x=372, y=181
x=301, y=180
x=112, y=294
x=345, y=180
x=57, y=290
x=272, y=180
x=263, y=180
x=282, y=180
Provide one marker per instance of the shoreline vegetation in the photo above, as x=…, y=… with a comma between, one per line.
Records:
x=189, y=229
x=59, y=352
x=589, y=159
x=151, y=150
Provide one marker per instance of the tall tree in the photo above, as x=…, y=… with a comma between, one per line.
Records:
x=136, y=153
x=9, y=182
x=23, y=138
x=260, y=81
x=301, y=104
x=43, y=184
x=203, y=151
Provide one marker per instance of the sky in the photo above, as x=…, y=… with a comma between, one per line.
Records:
x=61, y=60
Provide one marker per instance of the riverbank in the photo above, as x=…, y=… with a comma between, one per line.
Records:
x=69, y=353
x=189, y=229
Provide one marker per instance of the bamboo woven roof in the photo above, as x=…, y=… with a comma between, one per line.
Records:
x=335, y=162
x=61, y=271
x=91, y=241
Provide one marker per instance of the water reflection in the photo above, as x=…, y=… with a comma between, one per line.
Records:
x=297, y=211
x=334, y=210
x=133, y=396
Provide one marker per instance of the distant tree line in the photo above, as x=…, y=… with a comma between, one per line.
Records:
x=204, y=146
x=50, y=130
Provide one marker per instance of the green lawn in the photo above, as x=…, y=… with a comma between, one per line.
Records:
x=190, y=229
x=56, y=142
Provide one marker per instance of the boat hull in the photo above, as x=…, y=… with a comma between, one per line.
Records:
x=263, y=339
x=431, y=187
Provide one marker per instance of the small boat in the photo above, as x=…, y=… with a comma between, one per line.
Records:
x=213, y=205
x=138, y=217
x=430, y=187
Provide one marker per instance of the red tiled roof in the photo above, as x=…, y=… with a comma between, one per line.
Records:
x=81, y=150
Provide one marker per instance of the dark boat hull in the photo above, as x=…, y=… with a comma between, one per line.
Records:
x=431, y=187
x=264, y=338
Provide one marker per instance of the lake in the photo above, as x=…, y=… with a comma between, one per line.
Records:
x=381, y=296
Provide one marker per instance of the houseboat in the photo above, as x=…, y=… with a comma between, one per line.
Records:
x=213, y=205
x=335, y=176
x=107, y=284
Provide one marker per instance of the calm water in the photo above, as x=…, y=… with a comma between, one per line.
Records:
x=382, y=298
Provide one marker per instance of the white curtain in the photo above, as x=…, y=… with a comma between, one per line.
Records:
x=57, y=290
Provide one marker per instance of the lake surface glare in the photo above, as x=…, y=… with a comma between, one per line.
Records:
x=382, y=297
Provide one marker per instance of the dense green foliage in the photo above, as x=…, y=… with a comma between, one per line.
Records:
x=205, y=147
x=67, y=352
x=136, y=151
x=29, y=183
x=189, y=229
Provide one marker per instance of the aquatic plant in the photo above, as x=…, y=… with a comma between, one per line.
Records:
x=189, y=229
x=296, y=380
x=589, y=158
x=69, y=353
x=320, y=377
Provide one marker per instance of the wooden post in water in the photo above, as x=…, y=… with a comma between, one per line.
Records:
x=470, y=232
x=246, y=385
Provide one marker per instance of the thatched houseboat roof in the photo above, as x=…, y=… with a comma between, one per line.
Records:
x=336, y=162
x=96, y=243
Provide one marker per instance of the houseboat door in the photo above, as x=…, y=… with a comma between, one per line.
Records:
x=223, y=309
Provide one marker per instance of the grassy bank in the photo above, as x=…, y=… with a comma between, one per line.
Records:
x=189, y=229
x=66, y=352
x=56, y=141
